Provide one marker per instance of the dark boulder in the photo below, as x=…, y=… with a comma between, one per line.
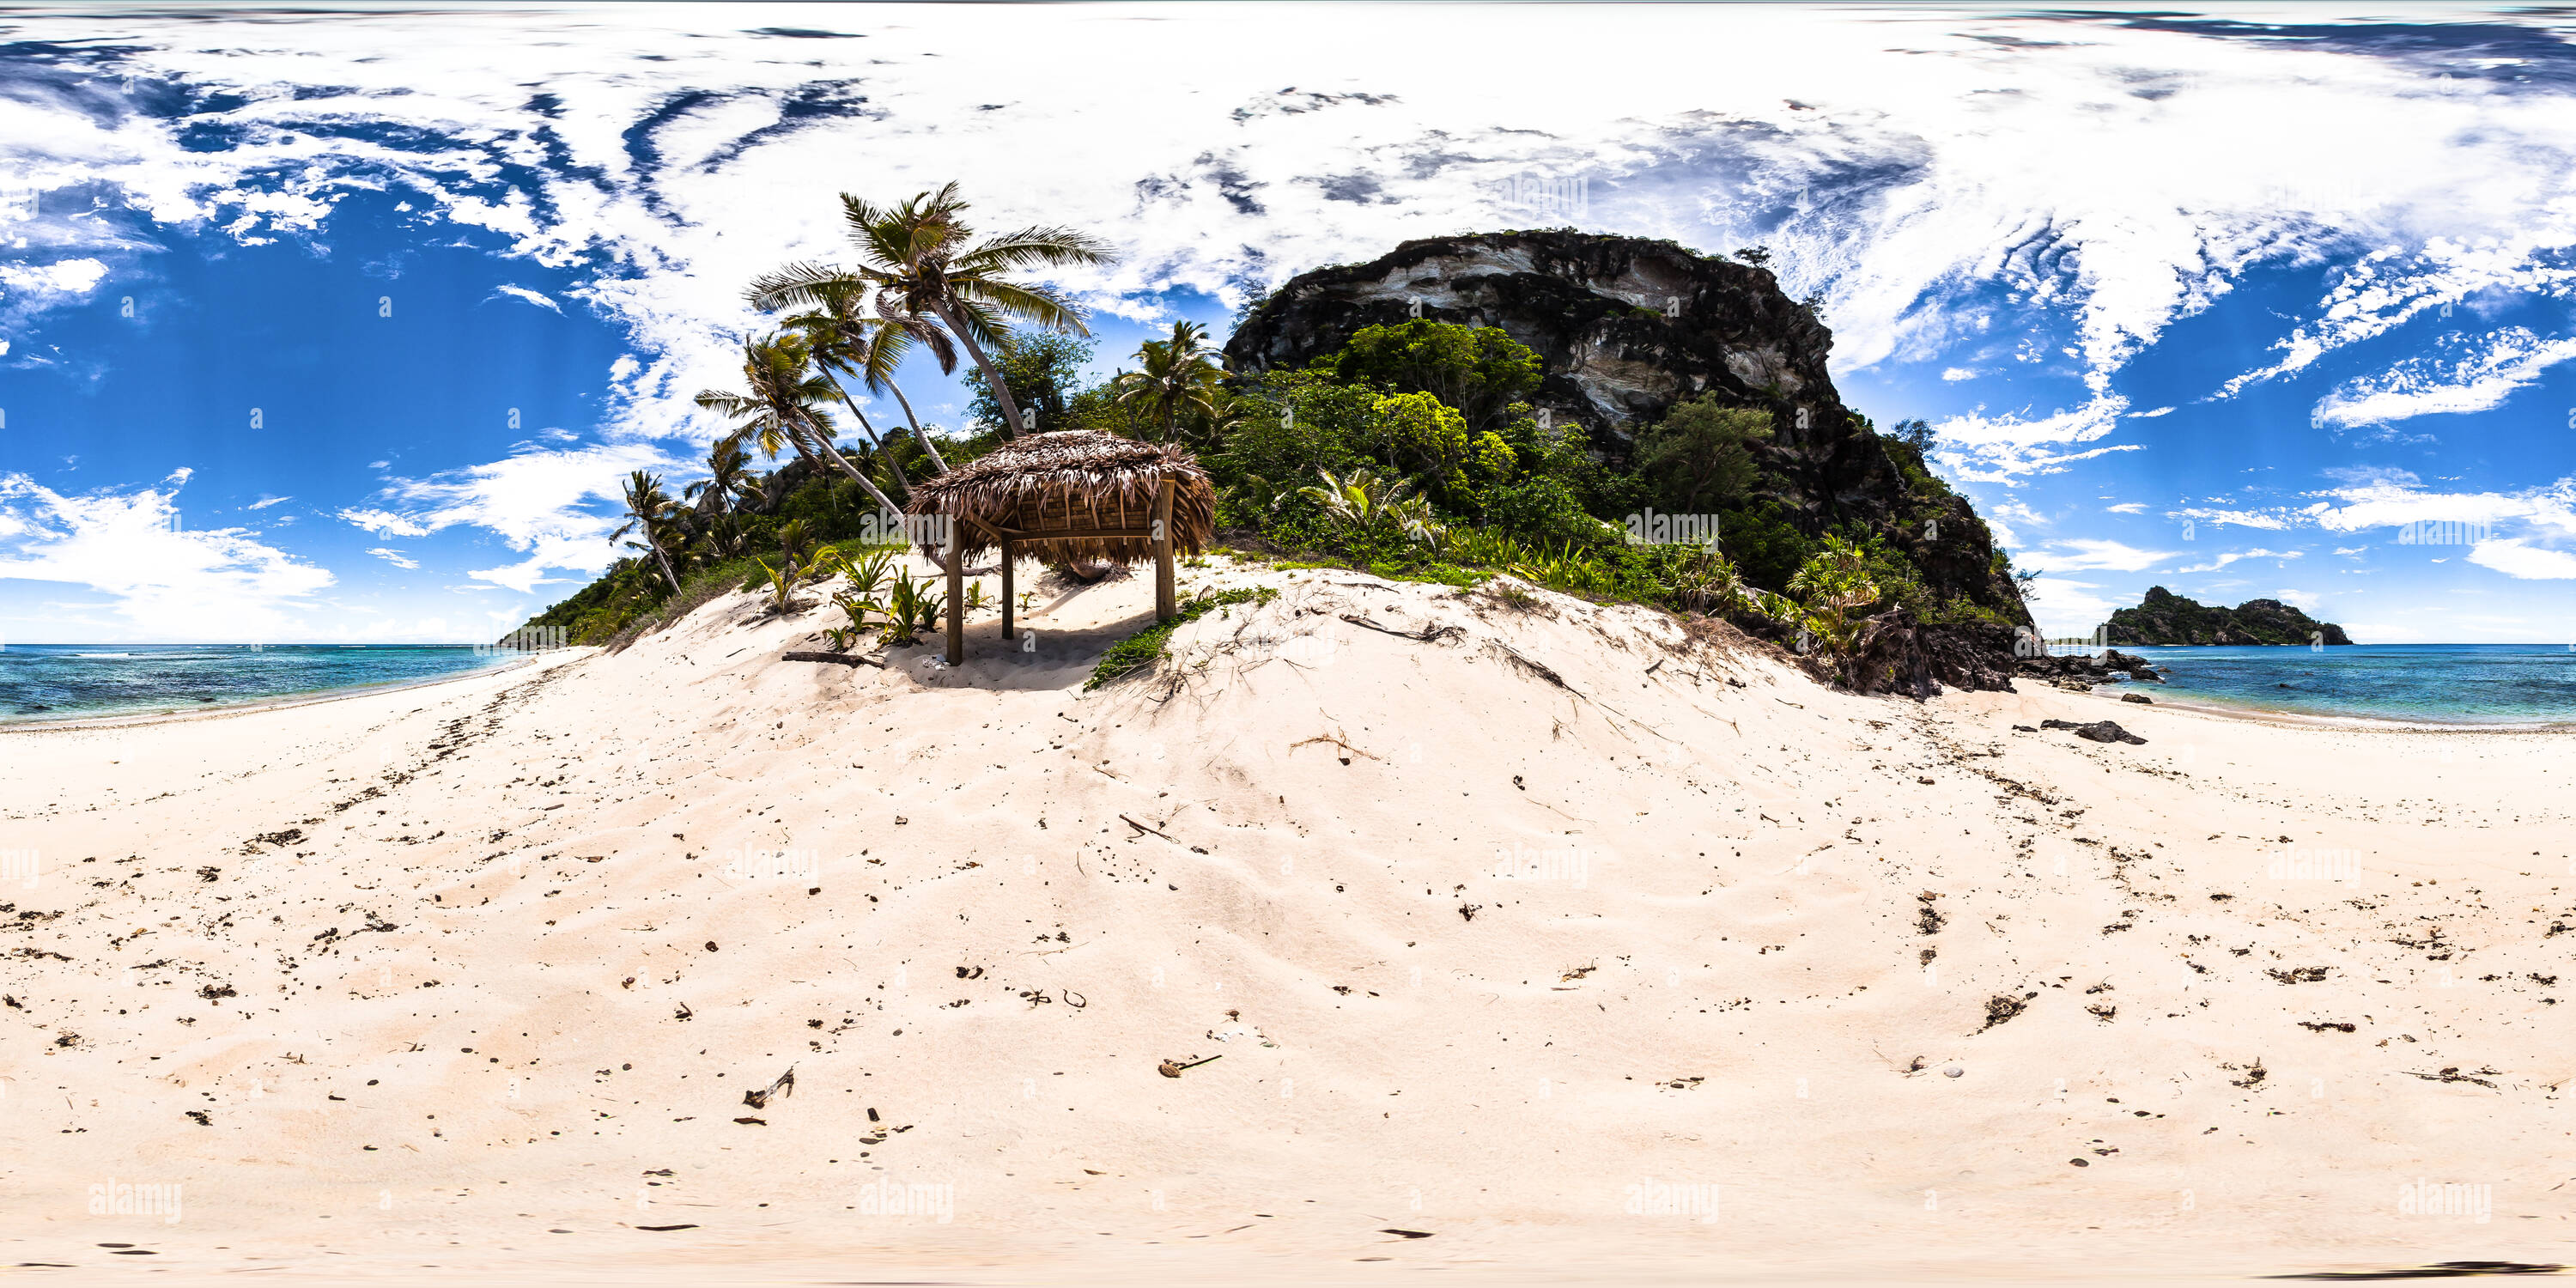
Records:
x=1888, y=657
x=2098, y=731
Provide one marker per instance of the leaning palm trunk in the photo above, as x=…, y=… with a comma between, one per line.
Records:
x=917, y=435
x=654, y=539
x=824, y=441
x=876, y=441
x=870, y=485
x=992, y=374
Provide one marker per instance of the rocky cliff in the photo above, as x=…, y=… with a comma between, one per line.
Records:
x=2167, y=618
x=1627, y=327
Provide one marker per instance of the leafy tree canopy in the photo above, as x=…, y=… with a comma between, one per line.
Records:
x=1480, y=371
x=1044, y=372
x=1699, y=453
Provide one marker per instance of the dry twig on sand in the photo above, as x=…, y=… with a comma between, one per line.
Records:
x=1337, y=740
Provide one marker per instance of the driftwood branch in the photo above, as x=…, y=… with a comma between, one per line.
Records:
x=845, y=659
x=1426, y=635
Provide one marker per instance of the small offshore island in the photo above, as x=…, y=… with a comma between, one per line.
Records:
x=2167, y=620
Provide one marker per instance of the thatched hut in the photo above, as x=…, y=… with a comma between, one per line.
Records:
x=1065, y=497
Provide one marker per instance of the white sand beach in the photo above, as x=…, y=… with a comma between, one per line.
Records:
x=1557, y=947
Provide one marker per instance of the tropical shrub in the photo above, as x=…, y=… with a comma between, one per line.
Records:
x=1420, y=432
x=781, y=587
x=1544, y=509
x=1830, y=588
x=911, y=607
x=1371, y=509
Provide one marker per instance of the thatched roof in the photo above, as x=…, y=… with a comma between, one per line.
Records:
x=1073, y=480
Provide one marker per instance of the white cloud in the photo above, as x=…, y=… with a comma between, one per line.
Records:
x=2235, y=518
x=2478, y=247
x=166, y=583
x=384, y=523
x=533, y=500
x=2048, y=182
x=394, y=557
x=1943, y=173
x=2077, y=555
x=2462, y=375
x=2065, y=609
x=533, y=297
x=266, y=501
x=70, y=278
x=2517, y=558
x=1958, y=373
x=2234, y=555
x=2000, y=448
x=2392, y=503
x=2129, y=507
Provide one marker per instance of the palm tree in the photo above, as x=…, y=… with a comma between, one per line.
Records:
x=728, y=478
x=922, y=257
x=650, y=508
x=782, y=406
x=719, y=495
x=1177, y=378
x=836, y=332
x=891, y=334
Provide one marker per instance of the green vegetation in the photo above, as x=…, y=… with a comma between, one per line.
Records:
x=1702, y=448
x=1410, y=454
x=1144, y=649
x=1413, y=452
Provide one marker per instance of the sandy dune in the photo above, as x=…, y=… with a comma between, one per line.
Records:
x=1583, y=949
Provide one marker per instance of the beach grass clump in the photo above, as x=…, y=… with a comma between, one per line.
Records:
x=1144, y=649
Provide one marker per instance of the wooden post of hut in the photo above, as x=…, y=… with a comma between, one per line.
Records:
x=956, y=591
x=1007, y=555
x=1166, y=579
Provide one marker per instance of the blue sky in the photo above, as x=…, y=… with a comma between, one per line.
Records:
x=345, y=327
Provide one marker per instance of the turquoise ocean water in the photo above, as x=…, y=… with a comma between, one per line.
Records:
x=2452, y=684
x=2457, y=684
x=76, y=681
